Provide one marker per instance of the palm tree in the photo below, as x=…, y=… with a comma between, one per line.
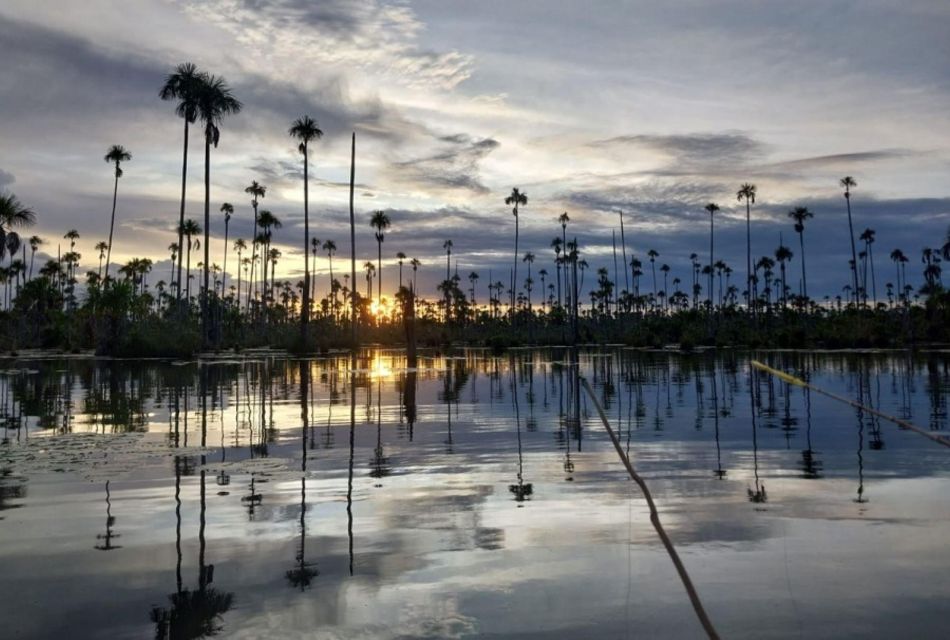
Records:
x=783, y=254
x=257, y=191
x=228, y=210
x=868, y=237
x=305, y=129
x=266, y=221
x=183, y=85
x=116, y=155
x=472, y=279
x=189, y=230
x=370, y=271
x=35, y=242
x=847, y=182
x=712, y=208
x=400, y=256
x=415, y=268
x=240, y=246
x=330, y=247
x=800, y=215
x=529, y=258
x=653, y=255
x=899, y=259
x=214, y=102
x=380, y=222
x=747, y=192
x=516, y=199
x=447, y=245
x=666, y=272
x=12, y=214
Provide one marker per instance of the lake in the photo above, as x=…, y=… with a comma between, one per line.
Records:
x=476, y=495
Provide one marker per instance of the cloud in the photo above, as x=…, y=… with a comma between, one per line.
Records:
x=840, y=160
x=451, y=168
x=338, y=33
x=693, y=150
x=6, y=178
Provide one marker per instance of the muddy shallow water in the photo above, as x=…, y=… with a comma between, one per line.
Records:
x=474, y=496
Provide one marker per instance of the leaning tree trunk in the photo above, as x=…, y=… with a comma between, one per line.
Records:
x=854, y=253
x=115, y=193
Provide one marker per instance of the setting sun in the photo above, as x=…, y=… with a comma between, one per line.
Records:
x=381, y=308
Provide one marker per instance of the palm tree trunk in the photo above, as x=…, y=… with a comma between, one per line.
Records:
x=873, y=280
x=250, y=278
x=514, y=277
x=224, y=270
x=181, y=214
x=854, y=253
x=353, y=318
x=748, y=256
x=801, y=243
x=305, y=311
x=205, y=325
x=188, y=276
x=379, y=269
x=711, y=292
x=115, y=193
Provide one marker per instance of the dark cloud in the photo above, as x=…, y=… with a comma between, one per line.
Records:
x=453, y=168
x=840, y=160
x=661, y=202
x=56, y=75
x=6, y=178
x=692, y=150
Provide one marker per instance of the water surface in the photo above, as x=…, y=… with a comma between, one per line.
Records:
x=474, y=496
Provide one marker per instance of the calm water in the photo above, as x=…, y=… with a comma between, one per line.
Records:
x=478, y=496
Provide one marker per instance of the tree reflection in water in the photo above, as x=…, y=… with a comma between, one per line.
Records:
x=303, y=573
x=522, y=490
x=105, y=539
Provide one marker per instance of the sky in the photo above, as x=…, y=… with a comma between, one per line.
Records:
x=655, y=109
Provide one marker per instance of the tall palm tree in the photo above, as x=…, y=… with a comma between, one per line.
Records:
x=257, y=192
x=400, y=256
x=183, y=85
x=868, y=237
x=12, y=214
x=306, y=130
x=783, y=254
x=190, y=229
x=712, y=208
x=516, y=199
x=35, y=242
x=228, y=210
x=847, y=182
x=653, y=255
x=529, y=259
x=215, y=101
x=330, y=247
x=899, y=261
x=800, y=215
x=563, y=219
x=747, y=192
x=240, y=246
x=416, y=263
x=267, y=221
x=380, y=222
x=447, y=245
x=116, y=155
